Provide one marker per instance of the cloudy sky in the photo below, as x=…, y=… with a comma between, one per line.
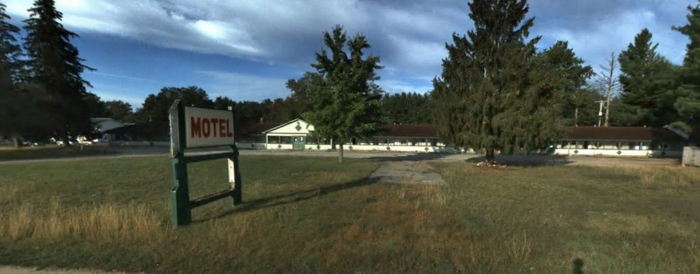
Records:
x=247, y=49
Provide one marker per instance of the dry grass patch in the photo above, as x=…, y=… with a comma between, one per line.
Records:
x=313, y=215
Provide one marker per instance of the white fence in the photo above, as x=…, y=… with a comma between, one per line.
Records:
x=691, y=156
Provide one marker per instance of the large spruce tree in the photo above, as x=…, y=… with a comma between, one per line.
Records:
x=10, y=67
x=688, y=102
x=344, y=102
x=570, y=78
x=495, y=92
x=648, y=84
x=55, y=65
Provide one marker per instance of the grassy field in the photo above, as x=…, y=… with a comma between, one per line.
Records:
x=51, y=151
x=306, y=214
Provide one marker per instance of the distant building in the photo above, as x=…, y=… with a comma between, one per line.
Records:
x=591, y=141
x=103, y=124
x=621, y=141
x=296, y=135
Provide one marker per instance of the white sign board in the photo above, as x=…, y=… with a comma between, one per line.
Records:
x=208, y=127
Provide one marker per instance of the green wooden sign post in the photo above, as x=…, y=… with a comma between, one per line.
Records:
x=196, y=127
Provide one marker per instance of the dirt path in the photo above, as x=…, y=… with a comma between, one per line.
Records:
x=407, y=172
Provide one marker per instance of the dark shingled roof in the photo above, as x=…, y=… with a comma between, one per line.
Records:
x=622, y=134
x=408, y=131
x=254, y=128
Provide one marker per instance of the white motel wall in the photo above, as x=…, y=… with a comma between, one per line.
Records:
x=440, y=148
x=618, y=152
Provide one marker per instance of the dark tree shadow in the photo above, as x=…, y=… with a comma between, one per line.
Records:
x=289, y=198
x=525, y=160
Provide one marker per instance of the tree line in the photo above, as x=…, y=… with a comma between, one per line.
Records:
x=498, y=91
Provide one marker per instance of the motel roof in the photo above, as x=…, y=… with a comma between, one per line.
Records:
x=621, y=134
x=415, y=131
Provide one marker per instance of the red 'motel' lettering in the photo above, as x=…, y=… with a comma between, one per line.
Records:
x=195, y=127
x=222, y=127
x=205, y=127
x=214, y=121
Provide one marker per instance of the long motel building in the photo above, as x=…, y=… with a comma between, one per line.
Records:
x=296, y=135
x=588, y=141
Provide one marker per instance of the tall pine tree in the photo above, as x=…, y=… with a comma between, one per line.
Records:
x=10, y=66
x=648, y=84
x=571, y=78
x=344, y=102
x=494, y=93
x=688, y=102
x=54, y=63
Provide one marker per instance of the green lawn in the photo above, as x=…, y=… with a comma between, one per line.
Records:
x=305, y=214
x=51, y=151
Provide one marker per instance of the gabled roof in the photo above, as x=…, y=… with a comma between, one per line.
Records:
x=284, y=124
x=622, y=134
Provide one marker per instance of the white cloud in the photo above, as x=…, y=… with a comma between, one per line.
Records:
x=409, y=36
x=238, y=86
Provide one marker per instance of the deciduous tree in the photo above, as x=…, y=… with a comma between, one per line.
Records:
x=344, y=104
x=156, y=106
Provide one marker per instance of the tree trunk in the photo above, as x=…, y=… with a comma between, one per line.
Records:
x=16, y=141
x=64, y=137
x=576, y=116
x=607, y=112
x=340, y=153
x=490, y=155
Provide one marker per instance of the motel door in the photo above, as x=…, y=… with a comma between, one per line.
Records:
x=298, y=143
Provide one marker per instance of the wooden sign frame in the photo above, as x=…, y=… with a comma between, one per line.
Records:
x=179, y=195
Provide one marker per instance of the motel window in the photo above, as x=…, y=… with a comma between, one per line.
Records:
x=285, y=140
x=585, y=144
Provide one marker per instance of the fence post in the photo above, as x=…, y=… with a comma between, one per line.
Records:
x=235, y=177
x=180, y=194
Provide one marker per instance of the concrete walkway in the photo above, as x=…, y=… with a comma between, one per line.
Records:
x=407, y=172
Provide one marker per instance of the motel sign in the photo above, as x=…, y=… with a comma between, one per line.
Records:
x=207, y=127
x=192, y=127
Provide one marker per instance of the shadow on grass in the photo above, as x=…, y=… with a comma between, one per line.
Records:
x=413, y=157
x=289, y=198
x=578, y=266
x=525, y=160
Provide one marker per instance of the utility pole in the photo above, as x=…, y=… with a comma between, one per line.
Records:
x=600, y=111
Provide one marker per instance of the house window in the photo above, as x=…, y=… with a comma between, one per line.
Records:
x=285, y=140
